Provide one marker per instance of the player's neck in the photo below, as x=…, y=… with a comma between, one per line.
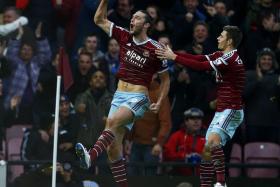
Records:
x=140, y=38
x=228, y=49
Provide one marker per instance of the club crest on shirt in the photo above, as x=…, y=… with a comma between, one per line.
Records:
x=146, y=53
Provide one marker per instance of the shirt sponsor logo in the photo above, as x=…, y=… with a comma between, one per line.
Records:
x=133, y=58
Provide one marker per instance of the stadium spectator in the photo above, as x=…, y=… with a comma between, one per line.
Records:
x=42, y=177
x=255, y=9
x=261, y=98
x=91, y=46
x=11, y=21
x=159, y=23
x=111, y=58
x=85, y=26
x=68, y=129
x=122, y=14
x=149, y=135
x=186, y=144
x=7, y=116
x=82, y=75
x=41, y=11
x=92, y=107
x=218, y=17
x=37, y=142
x=265, y=35
x=201, y=43
x=184, y=21
x=44, y=98
x=181, y=95
x=26, y=60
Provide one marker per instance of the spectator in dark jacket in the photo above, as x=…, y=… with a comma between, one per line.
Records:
x=82, y=75
x=37, y=143
x=93, y=106
x=265, y=35
x=184, y=21
x=68, y=129
x=261, y=97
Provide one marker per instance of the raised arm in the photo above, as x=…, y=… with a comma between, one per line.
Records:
x=43, y=48
x=167, y=53
x=194, y=57
x=100, y=17
x=10, y=27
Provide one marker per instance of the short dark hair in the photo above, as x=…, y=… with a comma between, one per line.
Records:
x=234, y=33
x=12, y=8
x=203, y=23
x=148, y=18
x=83, y=52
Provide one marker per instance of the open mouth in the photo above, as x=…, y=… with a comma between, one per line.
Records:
x=131, y=26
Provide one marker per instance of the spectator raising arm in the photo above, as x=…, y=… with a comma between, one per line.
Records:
x=43, y=47
x=10, y=27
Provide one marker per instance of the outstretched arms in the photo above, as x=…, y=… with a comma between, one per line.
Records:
x=100, y=17
x=167, y=53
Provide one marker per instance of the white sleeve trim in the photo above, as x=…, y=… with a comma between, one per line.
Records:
x=164, y=70
x=10, y=27
x=111, y=30
x=224, y=62
x=213, y=66
x=207, y=57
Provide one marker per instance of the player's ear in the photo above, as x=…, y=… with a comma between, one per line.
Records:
x=230, y=42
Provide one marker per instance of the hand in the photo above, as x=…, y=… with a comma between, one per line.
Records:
x=38, y=31
x=210, y=10
x=276, y=27
x=20, y=31
x=165, y=53
x=230, y=13
x=189, y=17
x=81, y=108
x=44, y=135
x=198, y=49
x=65, y=146
x=157, y=150
x=213, y=104
x=3, y=45
x=14, y=102
x=259, y=72
x=154, y=107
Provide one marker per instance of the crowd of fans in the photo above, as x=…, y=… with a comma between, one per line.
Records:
x=33, y=32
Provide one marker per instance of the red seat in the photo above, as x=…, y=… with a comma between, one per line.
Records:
x=235, y=157
x=16, y=131
x=262, y=153
x=13, y=153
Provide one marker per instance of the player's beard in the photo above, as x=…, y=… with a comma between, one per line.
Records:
x=136, y=31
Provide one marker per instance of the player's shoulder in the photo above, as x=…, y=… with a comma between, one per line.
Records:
x=155, y=43
x=230, y=55
x=120, y=28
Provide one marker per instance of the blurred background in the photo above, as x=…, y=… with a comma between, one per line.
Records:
x=42, y=39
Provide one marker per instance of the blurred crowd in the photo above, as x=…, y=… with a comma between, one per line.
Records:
x=42, y=39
